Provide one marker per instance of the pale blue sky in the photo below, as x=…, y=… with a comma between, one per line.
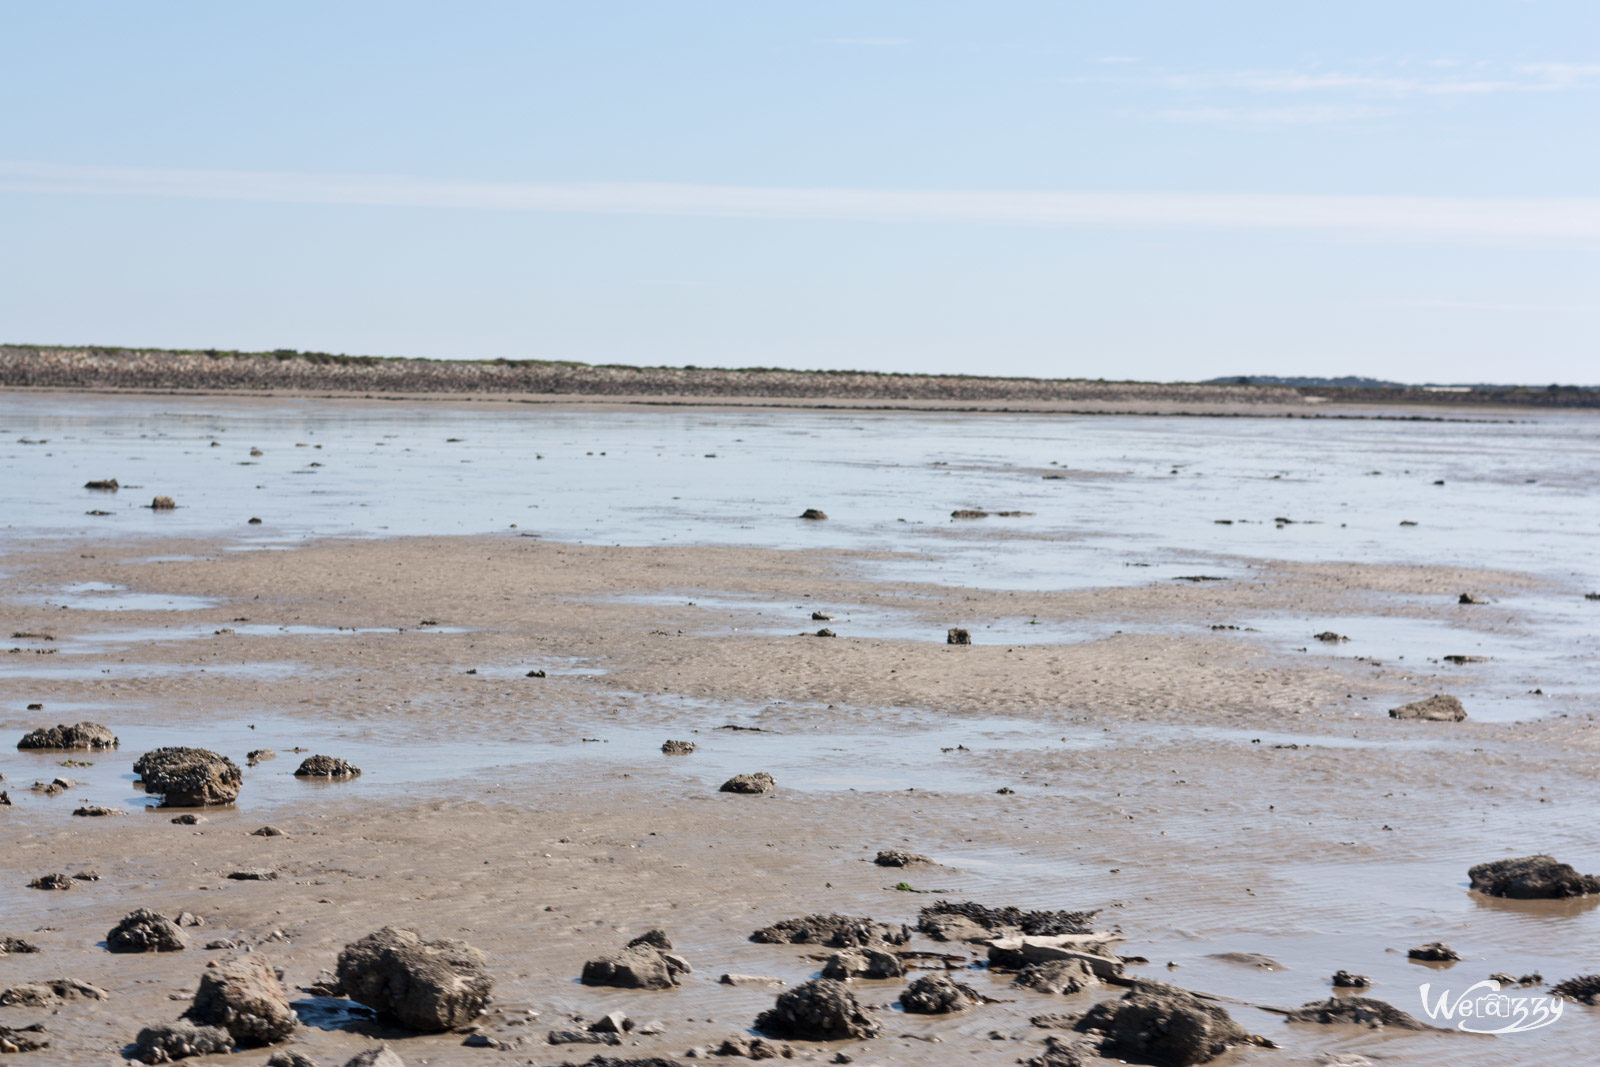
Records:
x=1155, y=190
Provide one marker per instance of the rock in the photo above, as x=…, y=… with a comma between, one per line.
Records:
x=326, y=767
x=1328, y=637
x=289, y=1058
x=52, y=881
x=1434, y=952
x=79, y=735
x=825, y=632
x=259, y=755
x=109, y=484
x=652, y=939
x=1065, y=1052
x=5, y=799
x=752, y=1048
x=1531, y=878
x=1000, y=920
x=267, y=831
x=188, y=918
x=163, y=503
x=429, y=986
x=244, y=996
x=179, y=1040
x=54, y=787
x=188, y=819
x=639, y=966
x=1057, y=976
x=254, y=874
x=1585, y=989
x=143, y=930
x=821, y=616
x=581, y=1037
x=834, y=931
x=1249, y=959
x=813, y=514
x=957, y=636
x=1438, y=708
x=49, y=993
x=9, y=945
x=759, y=782
x=1346, y=980
x=677, y=748
x=189, y=777
x=899, y=857
x=614, y=1023
x=936, y=994
x=863, y=963
x=23, y=1038
x=87, y=876
x=819, y=1010
x=95, y=811
x=1162, y=1025
x=751, y=980
x=969, y=513
x=221, y=944
x=1363, y=1011
x=382, y=1056
x=1468, y=598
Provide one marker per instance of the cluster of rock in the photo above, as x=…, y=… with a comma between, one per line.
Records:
x=189, y=777
x=646, y=962
x=82, y=735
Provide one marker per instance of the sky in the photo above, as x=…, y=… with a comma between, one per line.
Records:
x=1403, y=189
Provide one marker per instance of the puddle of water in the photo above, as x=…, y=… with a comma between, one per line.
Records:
x=103, y=596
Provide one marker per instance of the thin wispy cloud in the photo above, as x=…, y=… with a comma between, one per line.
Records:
x=868, y=42
x=1453, y=219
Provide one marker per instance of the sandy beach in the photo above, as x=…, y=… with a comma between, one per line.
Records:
x=1246, y=816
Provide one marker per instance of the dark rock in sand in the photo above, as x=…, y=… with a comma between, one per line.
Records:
x=677, y=748
x=143, y=930
x=289, y=1058
x=639, y=966
x=245, y=997
x=819, y=1010
x=428, y=986
x=96, y=811
x=179, y=1041
x=813, y=514
x=1434, y=952
x=163, y=503
x=254, y=874
x=382, y=1056
x=90, y=735
x=581, y=1037
x=1438, y=708
x=825, y=632
x=49, y=993
x=52, y=881
x=969, y=513
x=936, y=994
x=102, y=483
x=54, y=787
x=9, y=945
x=751, y=980
x=326, y=767
x=759, y=782
x=1162, y=1025
x=1065, y=1052
x=834, y=931
x=821, y=616
x=899, y=857
x=1346, y=980
x=1468, y=598
x=259, y=755
x=267, y=831
x=863, y=963
x=1328, y=637
x=23, y=1038
x=957, y=636
x=1056, y=976
x=189, y=777
x=1362, y=1011
x=1585, y=989
x=1531, y=878
x=652, y=939
x=933, y=918
x=5, y=799
x=189, y=819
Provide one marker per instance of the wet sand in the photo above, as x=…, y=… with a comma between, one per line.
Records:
x=1211, y=793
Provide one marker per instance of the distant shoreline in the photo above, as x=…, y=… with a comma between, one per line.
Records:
x=317, y=374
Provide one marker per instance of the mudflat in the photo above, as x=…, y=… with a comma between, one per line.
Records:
x=1243, y=813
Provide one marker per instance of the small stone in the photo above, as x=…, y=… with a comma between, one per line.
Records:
x=254, y=874
x=326, y=767
x=268, y=831
x=757, y=783
x=1434, y=952
x=163, y=503
x=1438, y=708
x=1346, y=980
x=52, y=881
x=813, y=514
x=957, y=636
x=180, y=1040
x=677, y=748
x=189, y=819
x=143, y=930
